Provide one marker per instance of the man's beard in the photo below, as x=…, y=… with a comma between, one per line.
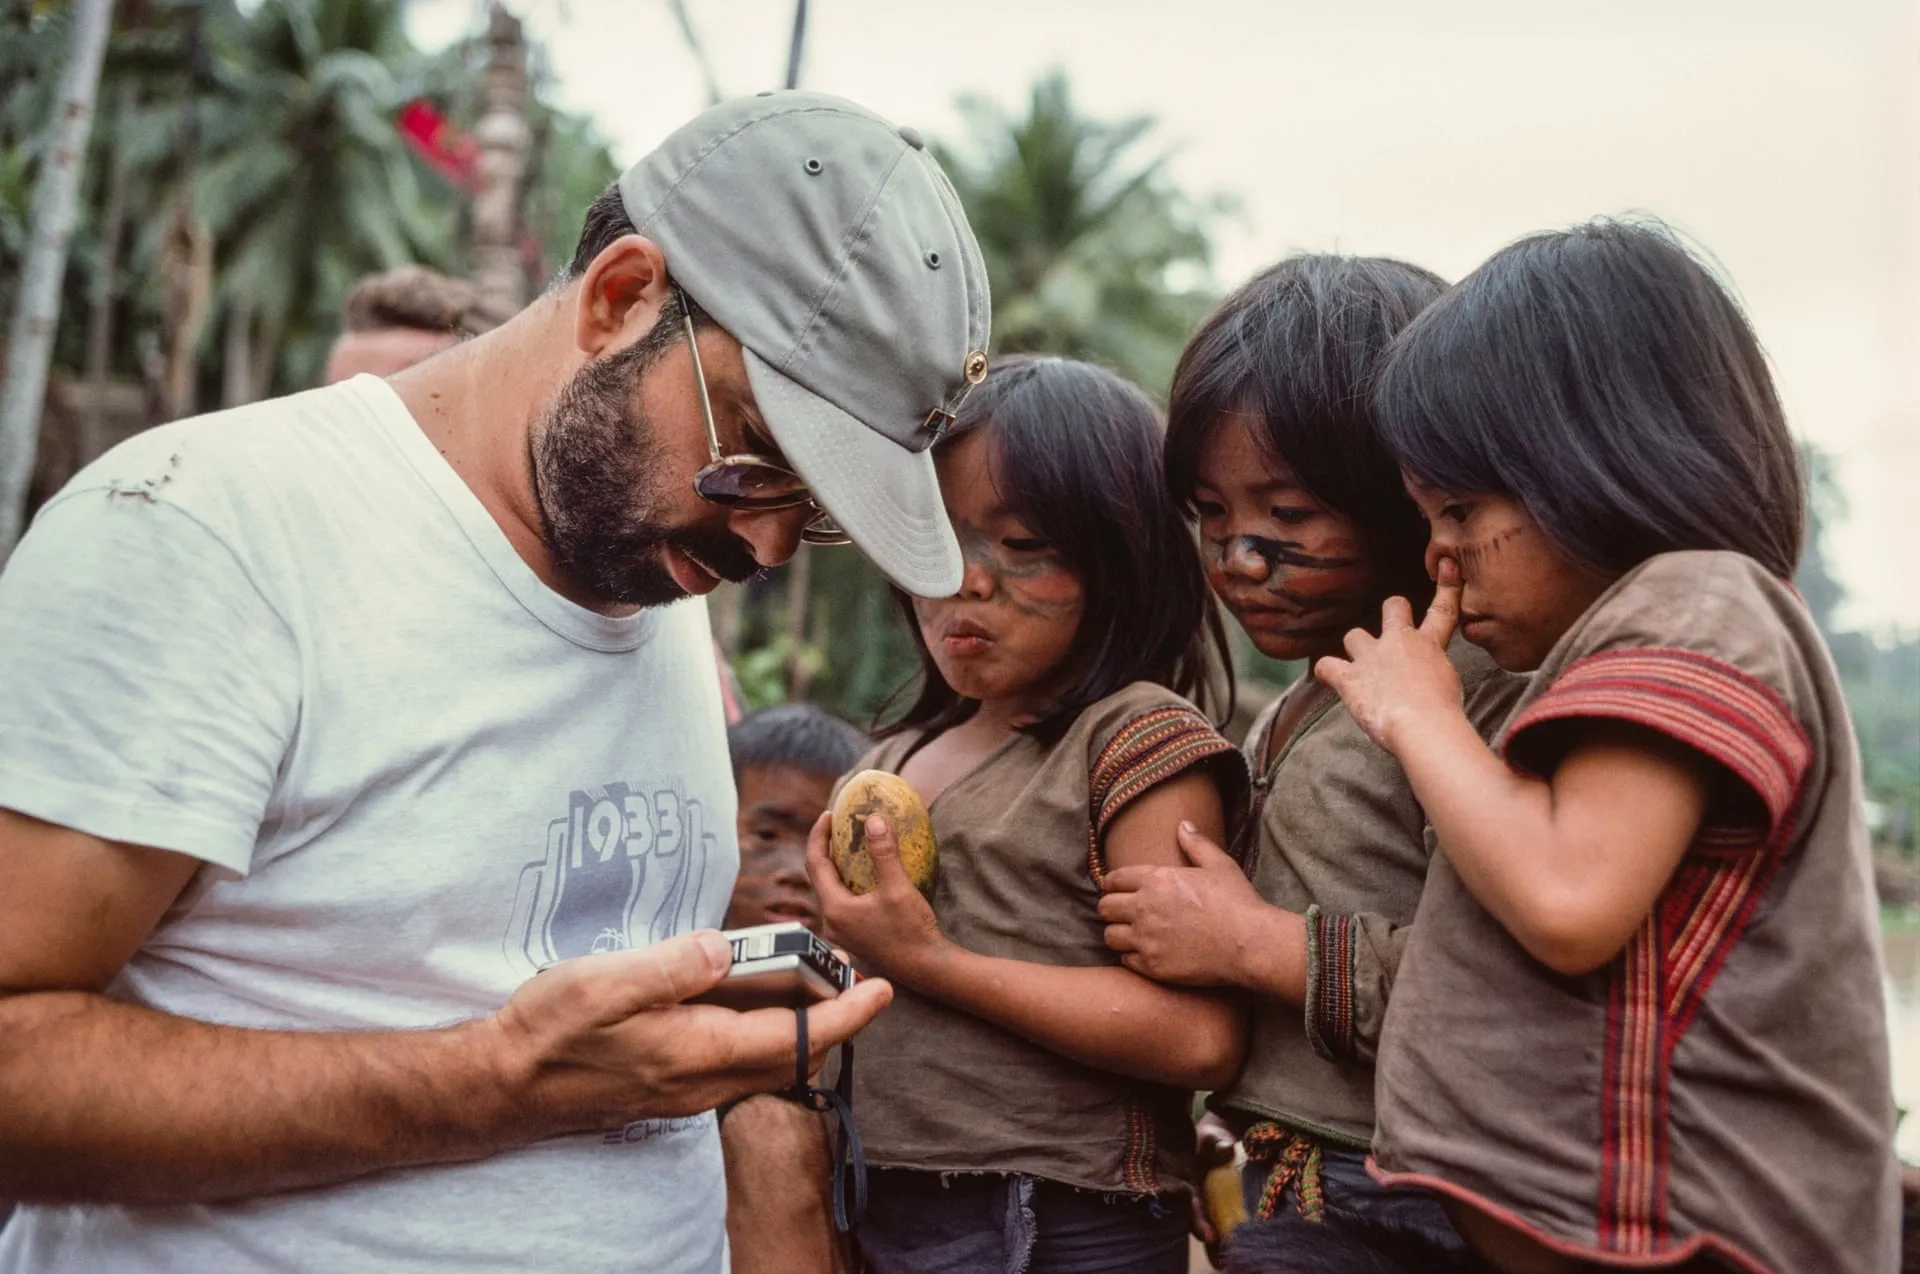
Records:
x=600, y=480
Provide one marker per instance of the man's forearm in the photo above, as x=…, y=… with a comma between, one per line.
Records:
x=104, y=1101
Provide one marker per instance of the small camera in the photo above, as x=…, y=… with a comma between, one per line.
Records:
x=779, y=966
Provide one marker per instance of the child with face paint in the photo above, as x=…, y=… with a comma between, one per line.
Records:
x=1305, y=529
x=1640, y=1021
x=779, y=1211
x=1026, y=1100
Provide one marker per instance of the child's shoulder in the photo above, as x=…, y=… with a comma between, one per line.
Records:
x=1711, y=605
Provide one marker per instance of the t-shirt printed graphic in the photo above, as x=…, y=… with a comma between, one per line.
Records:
x=626, y=866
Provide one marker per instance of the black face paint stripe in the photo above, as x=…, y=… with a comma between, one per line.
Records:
x=1278, y=553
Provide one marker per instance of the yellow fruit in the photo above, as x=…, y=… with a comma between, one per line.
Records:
x=878, y=792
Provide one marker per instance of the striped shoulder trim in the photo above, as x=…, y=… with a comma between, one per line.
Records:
x=1707, y=704
x=1143, y=753
x=1656, y=985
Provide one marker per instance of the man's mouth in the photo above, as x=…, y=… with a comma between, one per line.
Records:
x=689, y=572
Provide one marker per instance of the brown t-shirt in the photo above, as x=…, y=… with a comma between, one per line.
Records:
x=1338, y=837
x=1019, y=856
x=1721, y=1085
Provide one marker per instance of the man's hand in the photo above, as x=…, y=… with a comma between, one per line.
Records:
x=600, y=1040
x=892, y=929
x=1403, y=675
x=1191, y=925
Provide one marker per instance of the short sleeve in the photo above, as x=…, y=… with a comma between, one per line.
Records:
x=1151, y=743
x=148, y=692
x=1703, y=653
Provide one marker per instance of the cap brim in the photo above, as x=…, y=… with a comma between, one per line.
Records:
x=886, y=498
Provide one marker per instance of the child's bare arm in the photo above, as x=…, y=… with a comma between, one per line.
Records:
x=1104, y=1016
x=1571, y=866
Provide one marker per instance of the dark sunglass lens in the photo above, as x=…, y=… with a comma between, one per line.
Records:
x=750, y=486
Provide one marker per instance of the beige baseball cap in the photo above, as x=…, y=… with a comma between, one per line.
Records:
x=828, y=242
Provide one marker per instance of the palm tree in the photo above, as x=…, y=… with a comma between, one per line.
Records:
x=1091, y=251
x=299, y=175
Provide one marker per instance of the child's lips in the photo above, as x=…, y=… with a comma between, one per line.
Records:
x=964, y=637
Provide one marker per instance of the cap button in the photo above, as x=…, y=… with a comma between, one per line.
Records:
x=911, y=136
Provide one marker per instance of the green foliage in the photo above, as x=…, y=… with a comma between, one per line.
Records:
x=1092, y=251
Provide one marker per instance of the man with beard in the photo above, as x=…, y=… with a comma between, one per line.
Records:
x=329, y=722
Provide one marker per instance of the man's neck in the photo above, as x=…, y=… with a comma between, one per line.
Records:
x=477, y=403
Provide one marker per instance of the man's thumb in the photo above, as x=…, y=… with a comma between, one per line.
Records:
x=671, y=971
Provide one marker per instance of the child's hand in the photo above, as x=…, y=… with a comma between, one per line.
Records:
x=1402, y=676
x=893, y=929
x=1187, y=925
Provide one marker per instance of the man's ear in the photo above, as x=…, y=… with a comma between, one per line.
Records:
x=620, y=295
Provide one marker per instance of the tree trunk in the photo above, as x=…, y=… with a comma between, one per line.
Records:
x=37, y=311
x=106, y=287
x=236, y=358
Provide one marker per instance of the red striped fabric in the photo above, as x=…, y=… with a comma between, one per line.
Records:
x=1656, y=985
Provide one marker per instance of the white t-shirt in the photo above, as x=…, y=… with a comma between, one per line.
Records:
x=289, y=641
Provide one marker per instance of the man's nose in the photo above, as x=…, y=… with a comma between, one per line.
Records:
x=771, y=535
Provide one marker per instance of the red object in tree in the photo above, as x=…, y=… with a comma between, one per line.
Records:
x=447, y=149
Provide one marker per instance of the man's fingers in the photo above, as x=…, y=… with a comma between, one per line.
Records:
x=835, y=1021
x=1395, y=613
x=1199, y=850
x=762, y=1041
x=1444, y=612
x=660, y=973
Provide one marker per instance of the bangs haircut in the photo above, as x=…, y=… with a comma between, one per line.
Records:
x=1075, y=455
x=1603, y=377
x=1295, y=349
x=796, y=735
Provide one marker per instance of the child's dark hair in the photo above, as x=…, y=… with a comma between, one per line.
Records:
x=1605, y=379
x=1077, y=459
x=797, y=735
x=1295, y=348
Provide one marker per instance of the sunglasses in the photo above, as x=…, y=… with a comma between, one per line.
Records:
x=750, y=481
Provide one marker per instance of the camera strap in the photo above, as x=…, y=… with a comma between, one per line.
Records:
x=849, y=1159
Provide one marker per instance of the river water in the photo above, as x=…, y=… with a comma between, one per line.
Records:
x=1900, y=934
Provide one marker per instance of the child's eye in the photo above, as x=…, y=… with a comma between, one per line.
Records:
x=1209, y=508
x=1291, y=517
x=1455, y=512
x=1019, y=545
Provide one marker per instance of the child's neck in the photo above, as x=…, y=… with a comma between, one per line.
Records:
x=1004, y=716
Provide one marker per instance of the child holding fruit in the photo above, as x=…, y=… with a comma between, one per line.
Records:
x=1026, y=1100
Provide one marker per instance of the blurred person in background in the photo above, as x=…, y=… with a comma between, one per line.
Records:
x=393, y=320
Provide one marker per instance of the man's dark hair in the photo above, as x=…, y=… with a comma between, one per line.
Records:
x=1295, y=349
x=606, y=220
x=1605, y=379
x=1077, y=459
x=797, y=735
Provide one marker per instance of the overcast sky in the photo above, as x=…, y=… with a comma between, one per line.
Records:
x=1784, y=135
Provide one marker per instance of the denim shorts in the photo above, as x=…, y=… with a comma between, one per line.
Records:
x=1009, y=1223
